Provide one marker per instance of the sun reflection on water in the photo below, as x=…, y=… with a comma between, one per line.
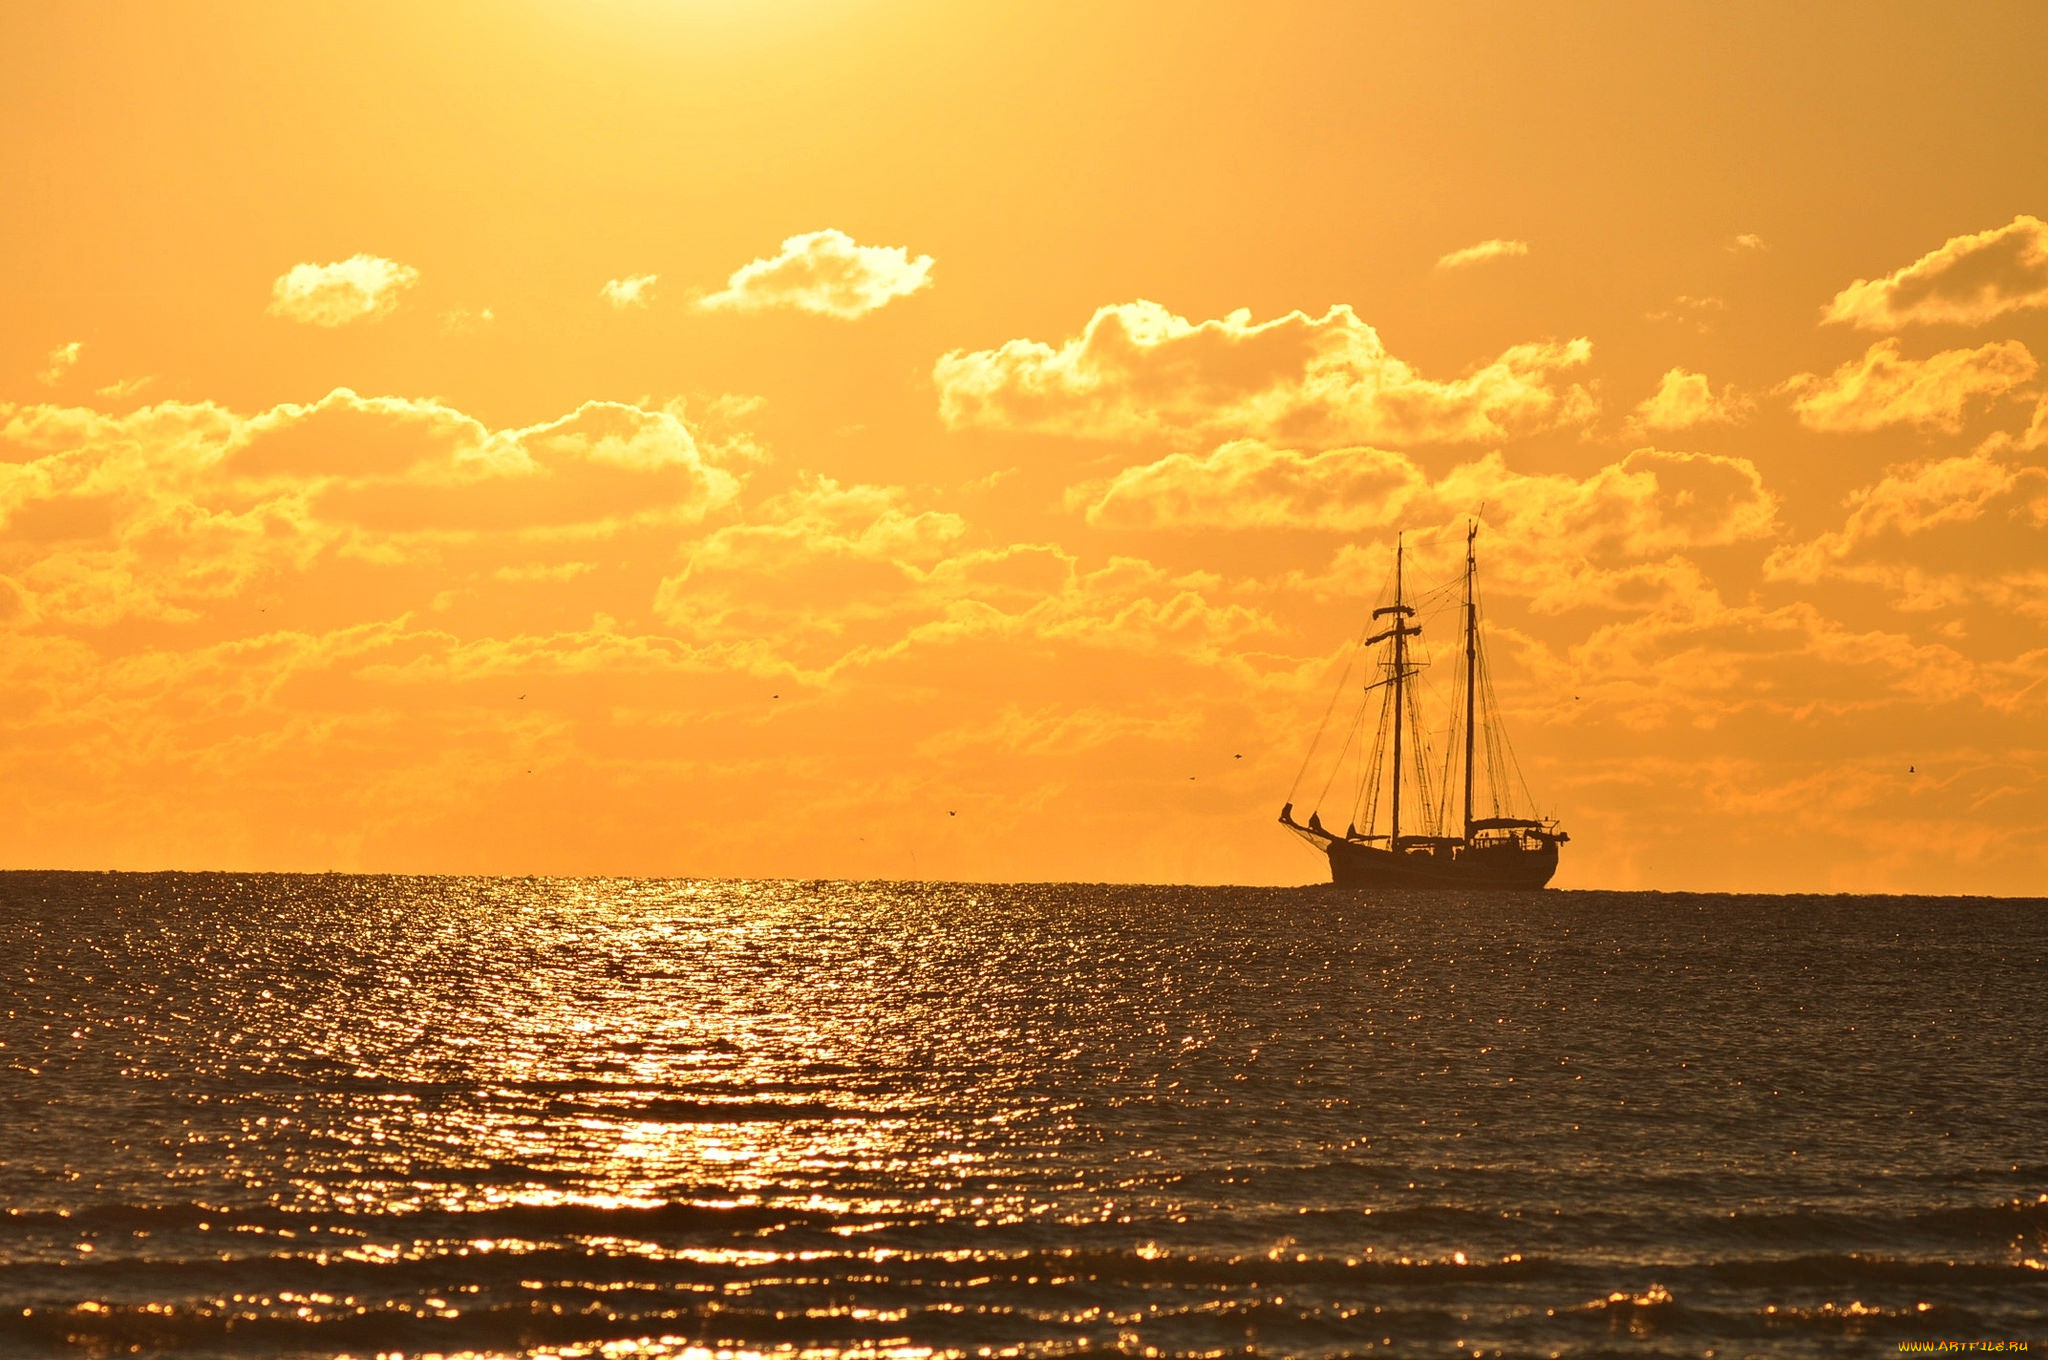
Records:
x=504, y=1118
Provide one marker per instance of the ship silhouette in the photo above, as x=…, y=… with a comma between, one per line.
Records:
x=1491, y=848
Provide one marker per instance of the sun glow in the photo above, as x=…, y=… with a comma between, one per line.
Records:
x=929, y=441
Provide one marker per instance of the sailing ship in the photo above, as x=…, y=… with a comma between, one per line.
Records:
x=1493, y=847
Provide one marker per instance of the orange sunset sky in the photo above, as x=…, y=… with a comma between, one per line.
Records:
x=888, y=440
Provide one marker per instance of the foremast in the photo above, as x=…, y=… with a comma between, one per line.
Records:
x=1400, y=631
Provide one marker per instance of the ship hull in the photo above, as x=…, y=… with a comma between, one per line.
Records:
x=1508, y=867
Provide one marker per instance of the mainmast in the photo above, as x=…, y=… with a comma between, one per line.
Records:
x=1400, y=710
x=1400, y=633
x=1471, y=670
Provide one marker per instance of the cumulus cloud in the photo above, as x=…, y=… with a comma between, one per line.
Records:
x=123, y=388
x=1649, y=503
x=1684, y=399
x=1246, y=484
x=463, y=321
x=1915, y=497
x=1883, y=387
x=1969, y=280
x=101, y=519
x=59, y=362
x=1615, y=645
x=346, y=598
x=391, y=467
x=1495, y=249
x=810, y=564
x=2036, y=436
x=156, y=513
x=1698, y=660
x=1138, y=371
x=1694, y=313
x=360, y=288
x=400, y=506
x=848, y=577
x=821, y=517
x=826, y=273
x=1747, y=241
x=635, y=290
x=1937, y=535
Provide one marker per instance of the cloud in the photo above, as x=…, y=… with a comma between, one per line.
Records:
x=1698, y=661
x=60, y=362
x=1695, y=313
x=846, y=578
x=2036, y=436
x=463, y=321
x=1884, y=388
x=163, y=512
x=1938, y=535
x=810, y=565
x=1649, y=503
x=396, y=469
x=1968, y=281
x=344, y=437
x=360, y=288
x=635, y=290
x=124, y=387
x=1495, y=249
x=1683, y=400
x=300, y=637
x=101, y=517
x=1747, y=241
x=826, y=273
x=822, y=518
x=1878, y=825
x=1139, y=371
x=1246, y=484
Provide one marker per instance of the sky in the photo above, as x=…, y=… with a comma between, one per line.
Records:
x=817, y=438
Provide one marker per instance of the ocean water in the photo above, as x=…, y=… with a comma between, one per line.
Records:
x=319, y=1115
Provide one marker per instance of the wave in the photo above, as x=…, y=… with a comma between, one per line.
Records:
x=1028, y=1304
x=1770, y=1236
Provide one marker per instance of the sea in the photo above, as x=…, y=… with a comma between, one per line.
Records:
x=321, y=1115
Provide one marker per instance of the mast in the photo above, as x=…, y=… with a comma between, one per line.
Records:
x=1400, y=632
x=1471, y=670
x=1400, y=712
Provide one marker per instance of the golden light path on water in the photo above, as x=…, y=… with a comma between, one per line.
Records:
x=341, y=1116
x=760, y=1081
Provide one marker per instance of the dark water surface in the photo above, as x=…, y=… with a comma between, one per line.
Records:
x=309, y=1116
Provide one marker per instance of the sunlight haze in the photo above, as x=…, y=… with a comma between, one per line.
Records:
x=926, y=440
